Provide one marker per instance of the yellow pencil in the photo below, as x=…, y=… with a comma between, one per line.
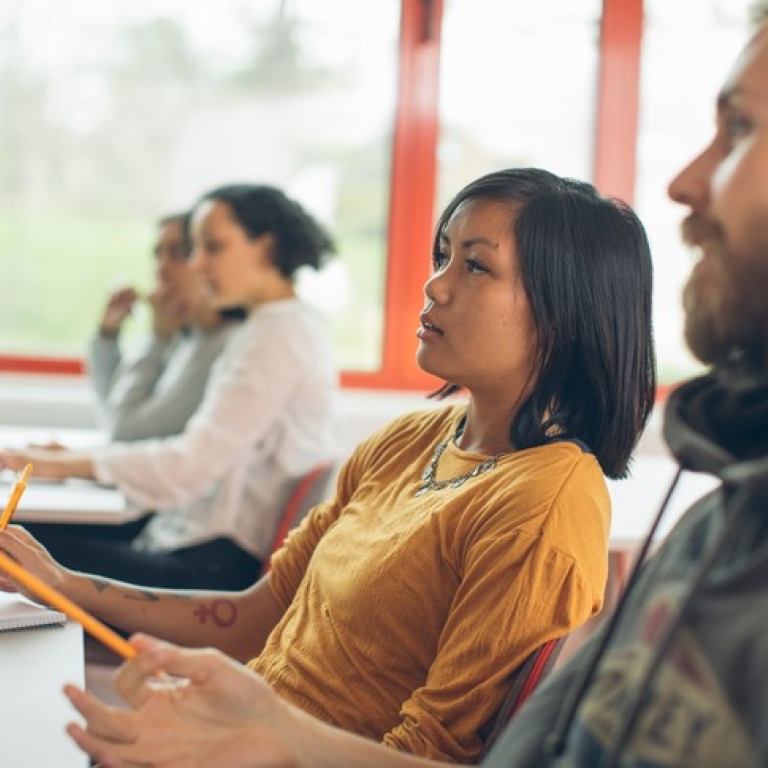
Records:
x=55, y=599
x=19, y=484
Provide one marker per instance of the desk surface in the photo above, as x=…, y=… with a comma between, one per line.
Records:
x=34, y=665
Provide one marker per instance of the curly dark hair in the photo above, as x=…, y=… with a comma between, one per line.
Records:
x=300, y=241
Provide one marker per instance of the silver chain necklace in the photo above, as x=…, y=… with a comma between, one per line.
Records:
x=428, y=478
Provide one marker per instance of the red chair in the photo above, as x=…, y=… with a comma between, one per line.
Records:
x=309, y=491
x=523, y=681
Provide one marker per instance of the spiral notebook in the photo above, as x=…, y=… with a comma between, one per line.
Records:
x=16, y=612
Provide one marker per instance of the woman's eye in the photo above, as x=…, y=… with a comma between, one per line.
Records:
x=737, y=126
x=439, y=260
x=475, y=267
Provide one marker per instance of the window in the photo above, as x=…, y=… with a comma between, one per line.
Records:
x=688, y=48
x=115, y=114
x=517, y=91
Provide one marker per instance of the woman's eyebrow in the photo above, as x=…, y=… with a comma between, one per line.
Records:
x=469, y=242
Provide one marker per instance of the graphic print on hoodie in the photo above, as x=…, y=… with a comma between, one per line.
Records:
x=686, y=721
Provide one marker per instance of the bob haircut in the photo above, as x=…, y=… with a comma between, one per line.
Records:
x=586, y=267
x=299, y=240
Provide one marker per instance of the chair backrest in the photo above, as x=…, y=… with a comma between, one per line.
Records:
x=309, y=491
x=523, y=681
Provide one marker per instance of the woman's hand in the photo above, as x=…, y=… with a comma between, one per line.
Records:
x=29, y=553
x=188, y=708
x=50, y=463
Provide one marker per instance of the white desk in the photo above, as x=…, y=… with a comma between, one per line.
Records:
x=34, y=665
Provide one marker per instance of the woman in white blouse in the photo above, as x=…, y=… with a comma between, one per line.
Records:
x=266, y=417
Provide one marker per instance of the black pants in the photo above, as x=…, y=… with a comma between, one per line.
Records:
x=105, y=550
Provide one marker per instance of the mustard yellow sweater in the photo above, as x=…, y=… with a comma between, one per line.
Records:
x=404, y=614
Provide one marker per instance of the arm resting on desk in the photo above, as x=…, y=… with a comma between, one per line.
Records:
x=51, y=463
x=237, y=623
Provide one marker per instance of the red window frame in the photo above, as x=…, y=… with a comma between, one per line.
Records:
x=412, y=194
x=413, y=177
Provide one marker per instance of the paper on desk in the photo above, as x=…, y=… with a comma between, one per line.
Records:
x=17, y=612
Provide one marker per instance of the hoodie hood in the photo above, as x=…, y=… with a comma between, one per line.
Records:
x=718, y=424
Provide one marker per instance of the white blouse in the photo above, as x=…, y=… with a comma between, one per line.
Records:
x=267, y=417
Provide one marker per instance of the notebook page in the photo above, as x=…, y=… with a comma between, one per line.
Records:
x=16, y=612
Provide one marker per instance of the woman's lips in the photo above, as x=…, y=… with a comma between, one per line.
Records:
x=427, y=329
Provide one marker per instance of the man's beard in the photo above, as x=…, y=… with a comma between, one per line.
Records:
x=726, y=315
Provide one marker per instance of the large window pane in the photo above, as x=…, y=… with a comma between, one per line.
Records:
x=688, y=48
x=518, y=81
x=112, y=114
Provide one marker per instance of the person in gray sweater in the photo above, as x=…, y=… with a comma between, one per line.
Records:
x=678, y=675
x=153, y=393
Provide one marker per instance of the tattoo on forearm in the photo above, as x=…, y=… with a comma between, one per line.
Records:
x=100, y=585
x=223, y=613
x=143, y=596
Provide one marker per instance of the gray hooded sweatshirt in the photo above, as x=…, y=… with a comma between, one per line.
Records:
x=678, y=676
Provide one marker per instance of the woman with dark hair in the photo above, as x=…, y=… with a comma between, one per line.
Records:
x=459, y=539
x=154, y=392
x=594, y=374
x=266, y=418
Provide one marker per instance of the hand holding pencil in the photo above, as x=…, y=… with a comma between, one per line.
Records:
x=52, y=597
x=19, y=574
